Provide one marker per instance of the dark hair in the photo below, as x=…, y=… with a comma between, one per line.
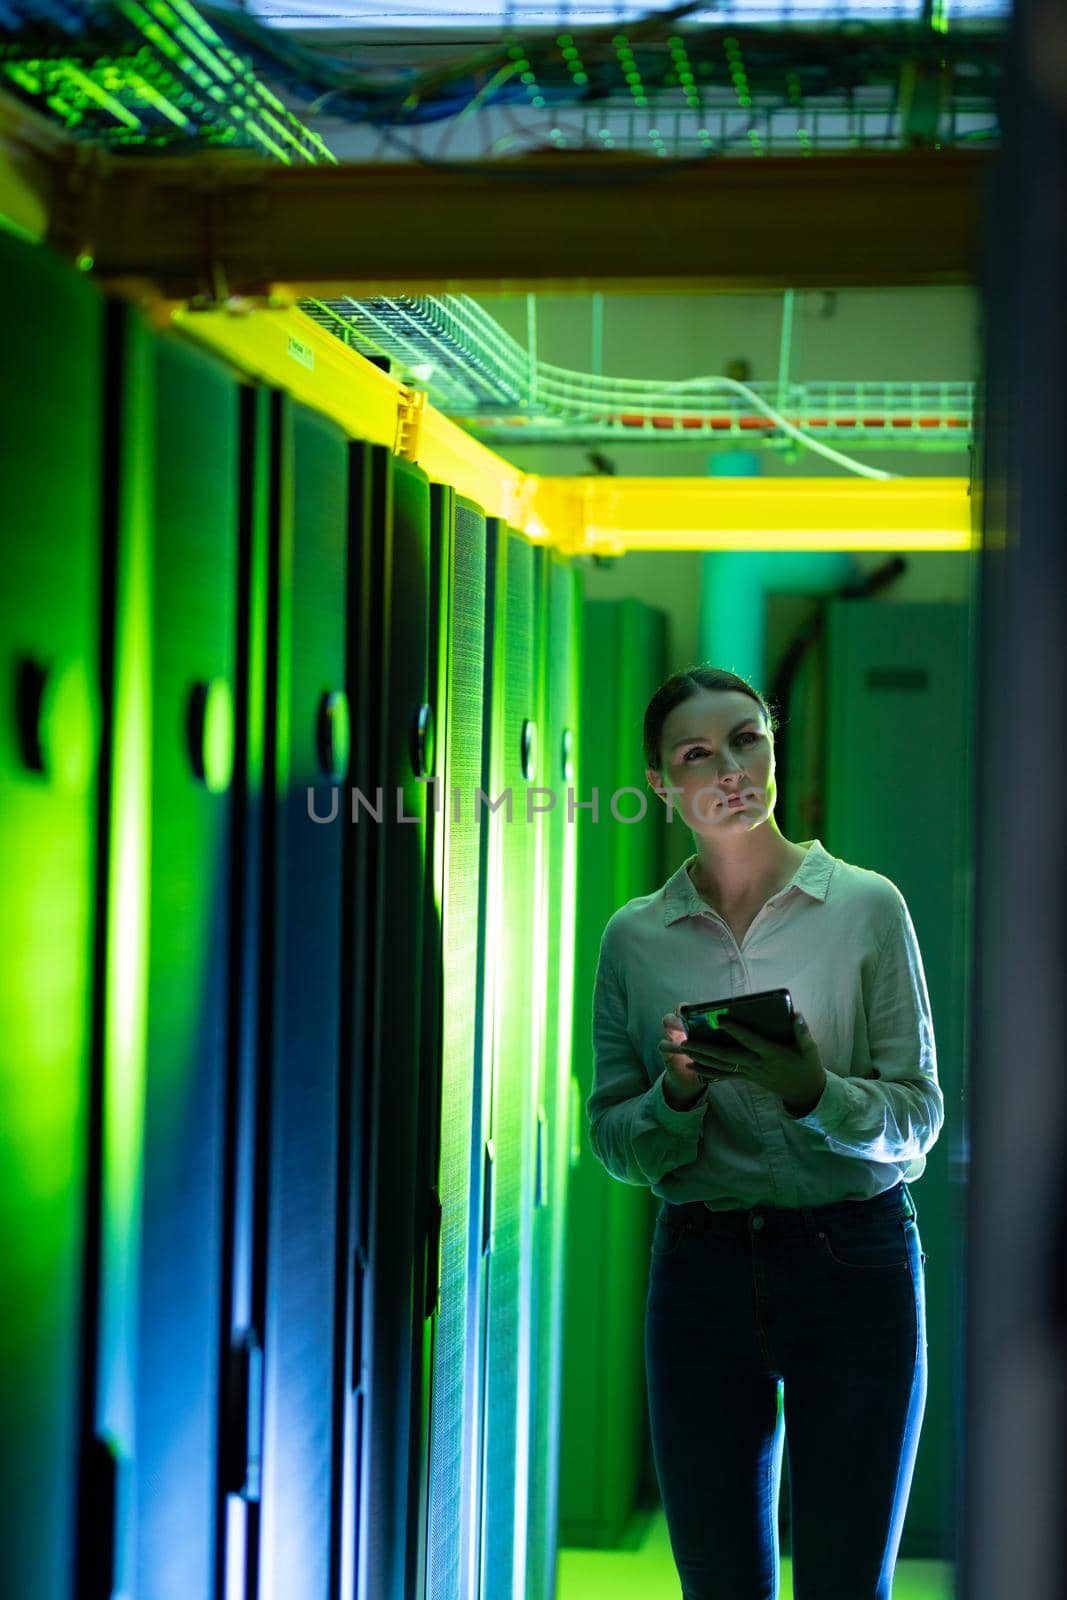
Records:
x=680, y=686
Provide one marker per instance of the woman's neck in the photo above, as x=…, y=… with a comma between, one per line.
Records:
x=749, y=871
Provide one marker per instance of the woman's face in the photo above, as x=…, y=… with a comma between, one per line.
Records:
x=716, y=744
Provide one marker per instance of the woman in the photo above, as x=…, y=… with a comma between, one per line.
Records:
x=786, y=1256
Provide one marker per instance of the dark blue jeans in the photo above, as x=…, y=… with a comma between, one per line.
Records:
x=828, y=1301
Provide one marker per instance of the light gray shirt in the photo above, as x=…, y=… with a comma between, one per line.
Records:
x=840, y=938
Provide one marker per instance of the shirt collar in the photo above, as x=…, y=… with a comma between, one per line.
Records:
x=812, y=876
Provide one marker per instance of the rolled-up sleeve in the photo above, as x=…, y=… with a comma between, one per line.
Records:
x=633, y=1132
x=897, y=1113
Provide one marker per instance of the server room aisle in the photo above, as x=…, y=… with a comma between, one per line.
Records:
x=644, y=1570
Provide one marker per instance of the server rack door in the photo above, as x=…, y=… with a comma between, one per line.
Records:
x=515, y=1030
x=307, y=755
x=553, y=1127
x=541, y=1217
x=194, y=550
x=453, y=1414
x=429, y=1208
x=240, y=1408
x=605, y=1415
x=370, y=535
x=107, y=1543
x=399, y=1025
x=50, y=455
x=897, y=676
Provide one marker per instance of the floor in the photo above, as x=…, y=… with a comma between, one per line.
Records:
x=646, y=1570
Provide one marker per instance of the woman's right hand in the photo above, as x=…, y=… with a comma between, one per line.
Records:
x=684, y=1084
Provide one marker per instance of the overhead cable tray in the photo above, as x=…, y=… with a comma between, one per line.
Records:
x=478, y=374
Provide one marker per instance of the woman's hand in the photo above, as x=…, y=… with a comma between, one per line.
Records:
x=685, y=1084
x=793, y=1072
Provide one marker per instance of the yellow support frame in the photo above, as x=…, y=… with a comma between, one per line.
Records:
x=845, y=513
x=582, y=516
x=143, y=225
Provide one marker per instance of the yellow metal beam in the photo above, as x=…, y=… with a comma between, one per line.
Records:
x=621, y=514
x=217, y=225
x=219, y=221
x=288, y=349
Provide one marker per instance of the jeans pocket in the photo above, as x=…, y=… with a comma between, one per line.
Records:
x=880, y=1244
x=669, y=1234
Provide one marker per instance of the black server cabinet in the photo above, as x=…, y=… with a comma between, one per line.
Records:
x=194, y=526
x=107, y=1555
x=510, y=939
x=560, y=600
x=306, y=755
x=395, y=1045
x=50, y=466
x=454, y=1413
x=241, y=1421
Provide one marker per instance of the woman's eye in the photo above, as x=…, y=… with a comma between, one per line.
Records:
x=699, y=750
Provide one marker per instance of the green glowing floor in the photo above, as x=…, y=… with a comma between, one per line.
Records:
x=647, y=1570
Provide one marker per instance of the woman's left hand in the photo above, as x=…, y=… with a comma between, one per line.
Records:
x=794, y=1072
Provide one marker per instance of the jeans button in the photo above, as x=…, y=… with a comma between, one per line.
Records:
x=757, y=1220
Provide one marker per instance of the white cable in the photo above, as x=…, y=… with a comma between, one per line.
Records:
x=782, y=422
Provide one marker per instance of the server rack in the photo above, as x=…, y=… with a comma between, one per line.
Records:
x=296, y=1314
x=50, y=633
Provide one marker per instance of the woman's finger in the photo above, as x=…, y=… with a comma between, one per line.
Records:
x=667, y=1047
x=701, y=1056
x=753, y=1041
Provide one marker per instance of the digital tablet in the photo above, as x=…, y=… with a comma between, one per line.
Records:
x=768, y=1013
